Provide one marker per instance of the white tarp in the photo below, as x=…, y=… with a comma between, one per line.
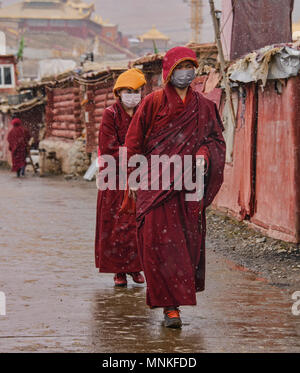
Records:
x=229, y=126
x=90, y=173
x=54, y=67
x=2, y=43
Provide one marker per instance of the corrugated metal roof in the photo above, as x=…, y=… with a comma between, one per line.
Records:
x=24, y=106
x=148, y=58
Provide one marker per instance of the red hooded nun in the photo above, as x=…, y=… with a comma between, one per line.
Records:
x=18, y=138
x=171, y=230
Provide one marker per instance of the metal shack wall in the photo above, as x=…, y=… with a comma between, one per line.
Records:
x=277, y=162
x=63, y=113
x=99, y=98
x=236, y=193
x=261, y=185
x=5, y=127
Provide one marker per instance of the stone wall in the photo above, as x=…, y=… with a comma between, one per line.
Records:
x=67, y=157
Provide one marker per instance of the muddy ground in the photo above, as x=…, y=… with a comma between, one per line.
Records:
x=276, y=261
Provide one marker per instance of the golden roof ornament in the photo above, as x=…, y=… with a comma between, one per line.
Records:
x=153, y=34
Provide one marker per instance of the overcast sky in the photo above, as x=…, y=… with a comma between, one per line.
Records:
x=171, y=17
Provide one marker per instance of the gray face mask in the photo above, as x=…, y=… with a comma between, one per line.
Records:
x=182, y=78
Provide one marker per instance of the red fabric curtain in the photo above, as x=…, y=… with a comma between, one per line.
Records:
x=255, y=24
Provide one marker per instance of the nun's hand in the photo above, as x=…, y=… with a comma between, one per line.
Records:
x=201, y=162
x=132, y=193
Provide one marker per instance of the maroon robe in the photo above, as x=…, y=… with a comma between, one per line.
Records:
x=18, y=138
x=115, y=243
x=171, y=231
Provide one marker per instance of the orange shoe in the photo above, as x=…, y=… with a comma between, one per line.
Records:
x=137, y=277
x=172, y=318
x=120, y=279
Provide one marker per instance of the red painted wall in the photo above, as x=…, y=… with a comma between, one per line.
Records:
x=277, y=164
x=262, y=183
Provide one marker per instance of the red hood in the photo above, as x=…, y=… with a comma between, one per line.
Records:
x=16, y=122
x=173, y=57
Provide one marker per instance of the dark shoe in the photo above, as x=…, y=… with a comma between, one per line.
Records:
x=137, y=277
x=120, y=279
x=172, y=318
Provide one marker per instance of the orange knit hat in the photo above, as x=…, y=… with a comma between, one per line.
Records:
x=132, y=78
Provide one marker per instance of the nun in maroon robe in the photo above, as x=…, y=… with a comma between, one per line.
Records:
x=18, y=139
x=171, y=230
x=115, y=242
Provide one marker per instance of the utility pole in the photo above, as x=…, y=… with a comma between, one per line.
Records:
x=196, y=18
x=222, y=59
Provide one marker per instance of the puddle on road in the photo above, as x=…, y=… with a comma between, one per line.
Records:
x=123, y=323
x=236, y=313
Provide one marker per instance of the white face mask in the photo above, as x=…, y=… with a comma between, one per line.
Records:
x=131, y=100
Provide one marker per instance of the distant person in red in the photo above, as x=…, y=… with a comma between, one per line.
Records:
x=116, y=243
x=18, y=139
x=171, y=230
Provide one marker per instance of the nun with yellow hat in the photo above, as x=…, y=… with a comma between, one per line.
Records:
x=115, y=242
x=128, y=88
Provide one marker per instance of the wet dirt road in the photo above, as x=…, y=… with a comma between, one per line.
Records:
x=56, y=301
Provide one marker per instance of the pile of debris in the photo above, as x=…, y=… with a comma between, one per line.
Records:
x=273, y=62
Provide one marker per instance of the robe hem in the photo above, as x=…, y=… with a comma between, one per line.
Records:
x=169, y=305
x=119, y=271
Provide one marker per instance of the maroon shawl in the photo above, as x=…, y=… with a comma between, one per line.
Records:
x=182, y=129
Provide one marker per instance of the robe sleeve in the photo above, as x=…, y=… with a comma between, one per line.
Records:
x=12, y=141
x=216, y=149
x=203, y=150
x=108, y=142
